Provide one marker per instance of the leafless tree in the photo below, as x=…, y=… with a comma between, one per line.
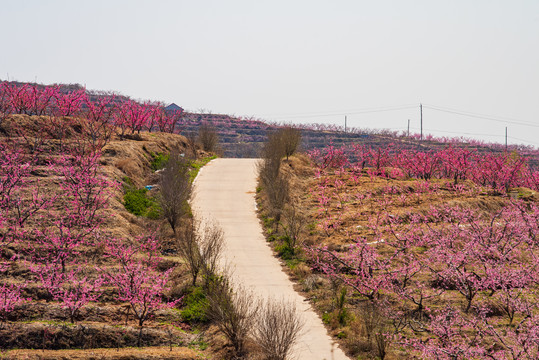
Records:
x=201, y=247
x=233, y=310
x=5, y=105
x=192, y=147
x=208, y=138
x=292, y=224
x=211, y=244
x=275, y=184
x=277, y=330
x=273, y=148
x=290, y=140
x=278, y=193
x=189, y=250
x=175, y=189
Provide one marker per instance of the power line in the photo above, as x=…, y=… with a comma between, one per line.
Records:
x=481, y=116
x=460, y=133
x=477, y=134
x=526, y=141
x=432, y=107
x=341, y=113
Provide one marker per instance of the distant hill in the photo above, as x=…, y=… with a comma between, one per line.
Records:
x=243, y=137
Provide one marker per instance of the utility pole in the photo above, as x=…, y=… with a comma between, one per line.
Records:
x=506, y=139
x=344, y=123
x=408, y=127
x=421, y=113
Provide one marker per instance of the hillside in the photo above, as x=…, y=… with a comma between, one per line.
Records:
x=401, y=265
x=239, y=136
x=66, y=236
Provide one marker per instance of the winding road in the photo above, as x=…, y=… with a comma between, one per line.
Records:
x=225, y=193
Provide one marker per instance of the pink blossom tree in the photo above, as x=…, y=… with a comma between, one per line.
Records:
x=70, y=103
x=450, y=336
x=137, y=280
x=10, y=298
x=73, y=288
x=361, y=268
x=85, y=196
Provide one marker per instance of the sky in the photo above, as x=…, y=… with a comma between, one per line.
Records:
x=296, y=61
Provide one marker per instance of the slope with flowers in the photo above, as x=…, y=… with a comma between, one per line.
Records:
x=77, y=270
x=239, y=136
x=417, y=254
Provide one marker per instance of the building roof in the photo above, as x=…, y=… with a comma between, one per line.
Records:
x=173, y=107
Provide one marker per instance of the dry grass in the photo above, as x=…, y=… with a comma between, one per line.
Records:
x=355, y=214
x=149, y=353
x=105, y=319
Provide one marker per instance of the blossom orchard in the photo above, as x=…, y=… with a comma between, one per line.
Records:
x=483, y=267
x=138, y=281
x=105, y=113
x=53, y=226
x=500, y=171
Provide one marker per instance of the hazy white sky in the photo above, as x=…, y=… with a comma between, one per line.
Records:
x=301, y=61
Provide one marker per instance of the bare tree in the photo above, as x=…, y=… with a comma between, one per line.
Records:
x=382, y=342
x=277, y=330
x=371, y=319
x=293, y=224
x=192, y=144
x=175, y=189
x=290, y=140
x=275, y=184
x=201, y=247
x=234, y=311
x=278, y=194
x=273, y=148
x=5, y=104
x=282, y=143
x=211, y=244
x=208, y=138
x=189, y=250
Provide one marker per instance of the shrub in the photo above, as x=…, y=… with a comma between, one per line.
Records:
x=233, y=310
x=277, y=329
x=175, y=189
x=158, y=161
x=154, y=211
x=290, y=140
x=208, y=138
x=285, y=251
x=196, y=306
x=136, y=201
x=200, y=245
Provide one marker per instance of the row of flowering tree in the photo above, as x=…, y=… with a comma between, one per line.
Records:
x=53, y=205
x=105, y=112
x=133, y=274
x=498, y=170
x=452, y=281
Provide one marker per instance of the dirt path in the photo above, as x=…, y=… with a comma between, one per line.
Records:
x=225, y=191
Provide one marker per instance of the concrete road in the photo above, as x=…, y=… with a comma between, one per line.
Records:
x=225, y=192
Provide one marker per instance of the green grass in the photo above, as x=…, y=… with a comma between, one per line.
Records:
x=196, y=306
x=196, y=165
x=158, y=161
x=201, y=344
x=284, y=251
x=137, y=202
